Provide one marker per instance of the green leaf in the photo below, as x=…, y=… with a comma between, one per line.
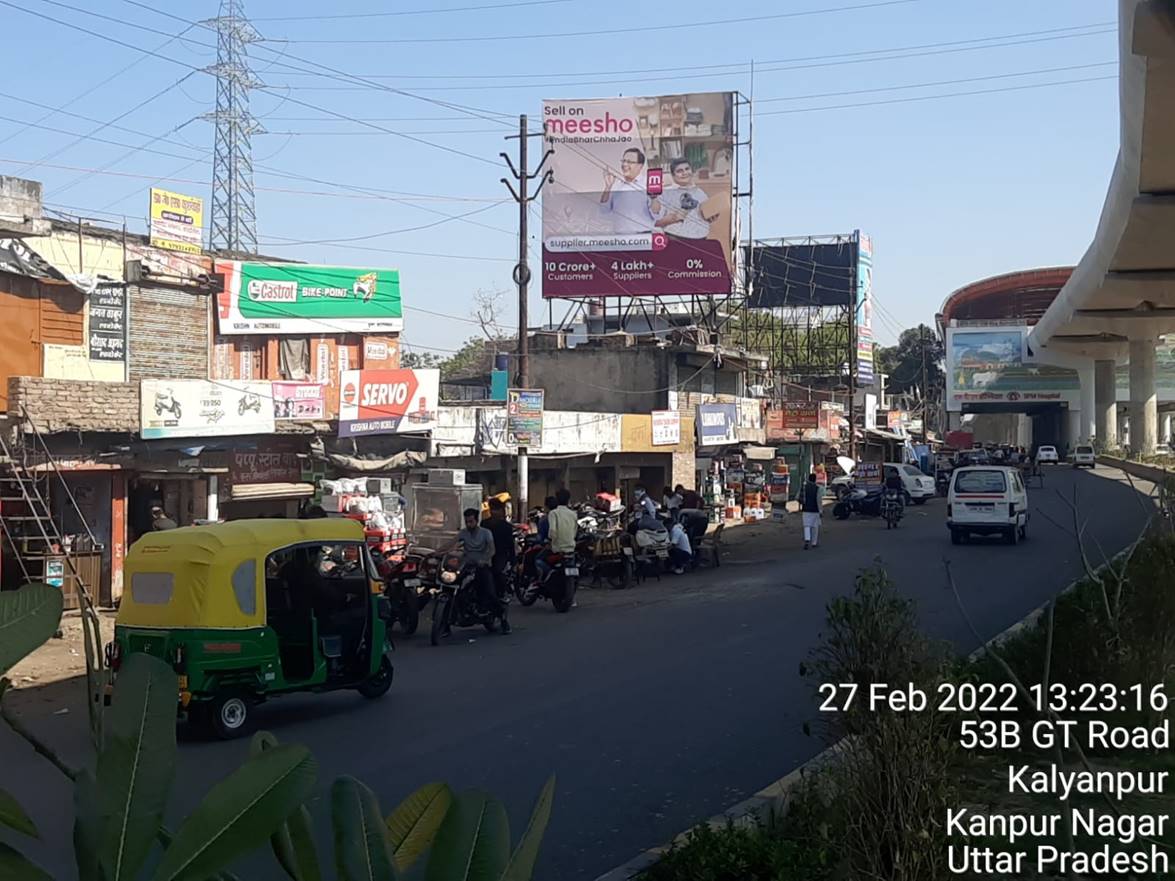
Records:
x=521, y=866
x=29, y=615
x=87, y=827
x=414, y=824
x=473, y=843
x=240, y=813
x=362, y=849
x=293, y=847
x=15, y=867
x=136, y=767
x=13, y=816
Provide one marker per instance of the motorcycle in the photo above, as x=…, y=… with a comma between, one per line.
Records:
x=891, y=508
x=457, y=603
x=402, y=585
x=560, y=584
x=248, y=402
x=650, y=547
x=166, y=401
x=859, y=501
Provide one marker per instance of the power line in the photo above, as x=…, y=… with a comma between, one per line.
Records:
x=352, y=15
x=623, y=31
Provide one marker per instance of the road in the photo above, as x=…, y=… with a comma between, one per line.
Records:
x=656, y=707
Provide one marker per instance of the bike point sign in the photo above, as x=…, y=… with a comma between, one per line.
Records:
x=202, y=408
x=388, y=401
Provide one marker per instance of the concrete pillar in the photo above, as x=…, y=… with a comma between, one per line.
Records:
x=1143, y=397
x=1105, y=404
x=1086, y=427
x=1165, y=436
x=213, y=507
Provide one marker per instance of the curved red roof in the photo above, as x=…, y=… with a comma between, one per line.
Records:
x=1023, y=295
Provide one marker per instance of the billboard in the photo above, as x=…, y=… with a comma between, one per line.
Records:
x=298, y=298
x=524, y=417
x=803, y=274
x=202, y=408
x=298, y=400
x=990, y=365
x=177, y=221
x=642, y=198
x=717, y=424
x=864, y=309
x=388, y=401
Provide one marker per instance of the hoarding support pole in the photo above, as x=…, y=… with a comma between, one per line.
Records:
x=522, y=279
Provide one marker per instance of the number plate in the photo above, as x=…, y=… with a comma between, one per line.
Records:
x=412, y=582
x=571, y=570
x=628, y=552
x=662, y=553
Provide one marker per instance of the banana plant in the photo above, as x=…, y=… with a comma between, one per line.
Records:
x=466, y=836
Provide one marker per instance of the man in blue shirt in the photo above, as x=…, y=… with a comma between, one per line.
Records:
x=625, y=199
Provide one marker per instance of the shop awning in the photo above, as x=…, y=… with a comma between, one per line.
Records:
x=260, y=492
x=887, y=435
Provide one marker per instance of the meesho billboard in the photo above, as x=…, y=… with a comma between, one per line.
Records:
x=642, y=198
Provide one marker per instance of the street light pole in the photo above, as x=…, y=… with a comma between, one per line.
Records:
x=522, y=280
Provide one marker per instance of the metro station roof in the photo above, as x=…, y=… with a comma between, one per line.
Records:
x=1021, y=296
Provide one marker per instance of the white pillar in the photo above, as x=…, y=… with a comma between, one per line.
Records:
x=1086, y=427
x=1143, y=398
x=1166, y=435
x=1105, y=404
x=213, y=497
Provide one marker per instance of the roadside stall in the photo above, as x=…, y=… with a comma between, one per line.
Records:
x=376, y=503
x=435, y=509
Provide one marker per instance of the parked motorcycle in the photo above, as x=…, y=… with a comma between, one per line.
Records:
x=457, y=603
x=166, y=402
x=650, y=548
x=402, y=585
x=859, y=501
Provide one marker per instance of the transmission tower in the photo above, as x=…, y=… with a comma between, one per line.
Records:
x=234, y=220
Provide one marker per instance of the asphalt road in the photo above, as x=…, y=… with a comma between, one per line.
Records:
x=656, y=707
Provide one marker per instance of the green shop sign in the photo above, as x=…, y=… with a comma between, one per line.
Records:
x=298, y=298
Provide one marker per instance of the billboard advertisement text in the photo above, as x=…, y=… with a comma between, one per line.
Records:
x=641, y=202
x=388, y=401
x=202, y=408
x=717, y=424
x=296, y=298
x=864, y=309
x=177, y=221
x=989, y=365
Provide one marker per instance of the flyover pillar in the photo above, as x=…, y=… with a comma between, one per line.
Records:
x=1144, y=415
x=1165, y=436
x=1105, y=402
x=1082, y=428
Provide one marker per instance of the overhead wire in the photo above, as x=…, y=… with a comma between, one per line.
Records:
x=406, y=12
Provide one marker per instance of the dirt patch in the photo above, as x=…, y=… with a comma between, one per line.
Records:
x=59, y=658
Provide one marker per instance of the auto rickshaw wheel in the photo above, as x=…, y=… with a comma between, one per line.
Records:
x=228, y=716
x=379, y=682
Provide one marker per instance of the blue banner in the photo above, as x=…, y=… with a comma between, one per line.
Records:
x=717, y=425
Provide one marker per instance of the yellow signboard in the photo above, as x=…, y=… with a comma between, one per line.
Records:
x=177, y=221
x=636, y=435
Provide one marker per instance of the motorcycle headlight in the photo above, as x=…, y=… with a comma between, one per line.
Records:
x=448, y=577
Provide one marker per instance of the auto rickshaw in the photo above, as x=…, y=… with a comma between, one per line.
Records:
x=251, y=609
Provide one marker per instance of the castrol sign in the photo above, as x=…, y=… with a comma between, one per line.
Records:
x=388, y=401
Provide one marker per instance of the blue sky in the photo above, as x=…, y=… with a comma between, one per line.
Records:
x=951, y=189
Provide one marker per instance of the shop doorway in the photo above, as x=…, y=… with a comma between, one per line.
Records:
x=183, y=499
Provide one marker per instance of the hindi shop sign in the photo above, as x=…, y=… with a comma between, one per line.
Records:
x=388, y=401
x=108, y=323
x=270, y=466
x=666, y=428
x=717, y=424
x=298, y=400
x=524, y=417
x=177, y=221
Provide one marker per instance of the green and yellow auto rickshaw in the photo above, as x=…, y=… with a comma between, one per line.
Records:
x=251, y=609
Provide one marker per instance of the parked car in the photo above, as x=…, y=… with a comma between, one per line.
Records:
x=1047, y=454
x=987, y=500
x=917, y=485
x=1084, y=457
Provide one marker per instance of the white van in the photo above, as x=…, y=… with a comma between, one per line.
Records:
x=987, y=500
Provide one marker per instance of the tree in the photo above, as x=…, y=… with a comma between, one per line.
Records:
x=419, y=360
x=903, y=363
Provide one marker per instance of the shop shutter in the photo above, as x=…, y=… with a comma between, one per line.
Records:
x=168, y=334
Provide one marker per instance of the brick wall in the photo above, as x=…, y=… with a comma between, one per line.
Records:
x=75, y=405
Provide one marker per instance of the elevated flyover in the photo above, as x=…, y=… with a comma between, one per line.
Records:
x=1121, y=296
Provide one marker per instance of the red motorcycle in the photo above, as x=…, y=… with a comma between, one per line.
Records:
x=559, y=586
x=403, y=587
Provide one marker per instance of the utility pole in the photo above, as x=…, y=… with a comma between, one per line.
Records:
x=925, y=389
x=522, y=278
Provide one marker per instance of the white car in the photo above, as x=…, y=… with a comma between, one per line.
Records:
x=1083, y=457
x=917, y=485
x=1047, y=454
x=987, y=500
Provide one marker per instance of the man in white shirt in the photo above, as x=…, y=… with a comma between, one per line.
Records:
x=679, y=209
x=624, y=200
x=680, y=552
x=561, y=532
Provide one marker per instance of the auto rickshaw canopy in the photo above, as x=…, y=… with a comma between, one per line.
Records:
x=213, y=576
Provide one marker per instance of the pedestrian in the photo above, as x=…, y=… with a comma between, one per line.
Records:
x=160, y=521
x=811, y=512
x=680, y=552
